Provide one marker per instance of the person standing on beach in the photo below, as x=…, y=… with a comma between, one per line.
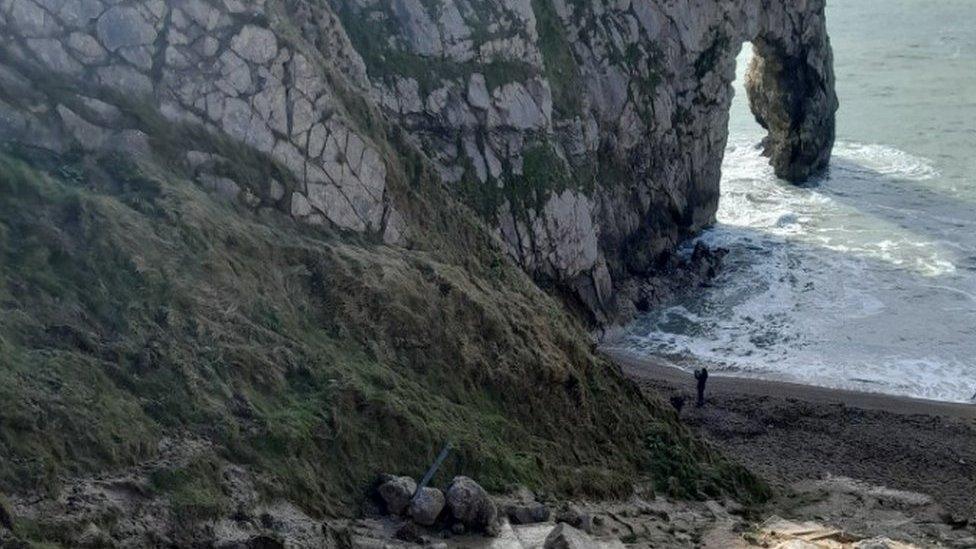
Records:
x=701, y=376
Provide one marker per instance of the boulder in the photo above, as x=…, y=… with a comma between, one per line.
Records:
x=527, y=513
x=576, y=517
x=396, y=493
x=470, y=504
x=564, y=536
x=427, y=506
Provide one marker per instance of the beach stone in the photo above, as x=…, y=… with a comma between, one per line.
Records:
x=564, y=536
x=470, y=504
x=427, y=506
x=123, y=26
x=395, y=491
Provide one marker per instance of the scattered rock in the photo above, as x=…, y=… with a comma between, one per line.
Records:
x=470, y=504
x=396, y=493
x=877, y=543
x=570, y=514
x=527, y=513
x=564, y=536
x=427, y=506
x=411, y=533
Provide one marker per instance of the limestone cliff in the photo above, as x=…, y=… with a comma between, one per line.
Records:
x=588, y=135
x=235, y=265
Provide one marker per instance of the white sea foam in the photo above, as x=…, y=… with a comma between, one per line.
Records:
x=818, y=289
x=870, y=160
x=866, y=278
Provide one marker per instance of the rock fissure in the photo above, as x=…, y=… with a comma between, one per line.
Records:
x=629, y=102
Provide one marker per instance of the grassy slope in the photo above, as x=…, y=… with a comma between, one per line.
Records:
x=135, y=305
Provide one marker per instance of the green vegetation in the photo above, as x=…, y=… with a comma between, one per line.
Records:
x=194, y=490
x=561, y=69
x=708, y=58
x=136, y=306
x=384, y=61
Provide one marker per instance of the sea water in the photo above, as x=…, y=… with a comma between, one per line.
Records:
x=865, y=278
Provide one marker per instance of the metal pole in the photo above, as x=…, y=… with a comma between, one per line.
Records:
x=433, y=469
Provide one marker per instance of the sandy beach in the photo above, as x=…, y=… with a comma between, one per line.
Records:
x=789, y=433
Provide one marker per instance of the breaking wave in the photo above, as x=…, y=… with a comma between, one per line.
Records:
x=818, y=288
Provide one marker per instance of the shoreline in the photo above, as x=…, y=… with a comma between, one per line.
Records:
x=658, y=368
x=790, y=434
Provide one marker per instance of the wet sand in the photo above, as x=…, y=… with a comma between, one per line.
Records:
x=789, y=432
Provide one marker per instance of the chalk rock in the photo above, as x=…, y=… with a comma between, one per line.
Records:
x=564, y=536
x=471, y=505
x=427, y=506
x=527, y=513
x=123, y=26
x=396, y=493
x=255, y=44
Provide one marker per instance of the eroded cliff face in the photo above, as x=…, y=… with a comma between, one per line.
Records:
x=591, y=134
x=588, y=135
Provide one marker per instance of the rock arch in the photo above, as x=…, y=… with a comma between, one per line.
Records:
x=589, y=135
x=790, y=84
